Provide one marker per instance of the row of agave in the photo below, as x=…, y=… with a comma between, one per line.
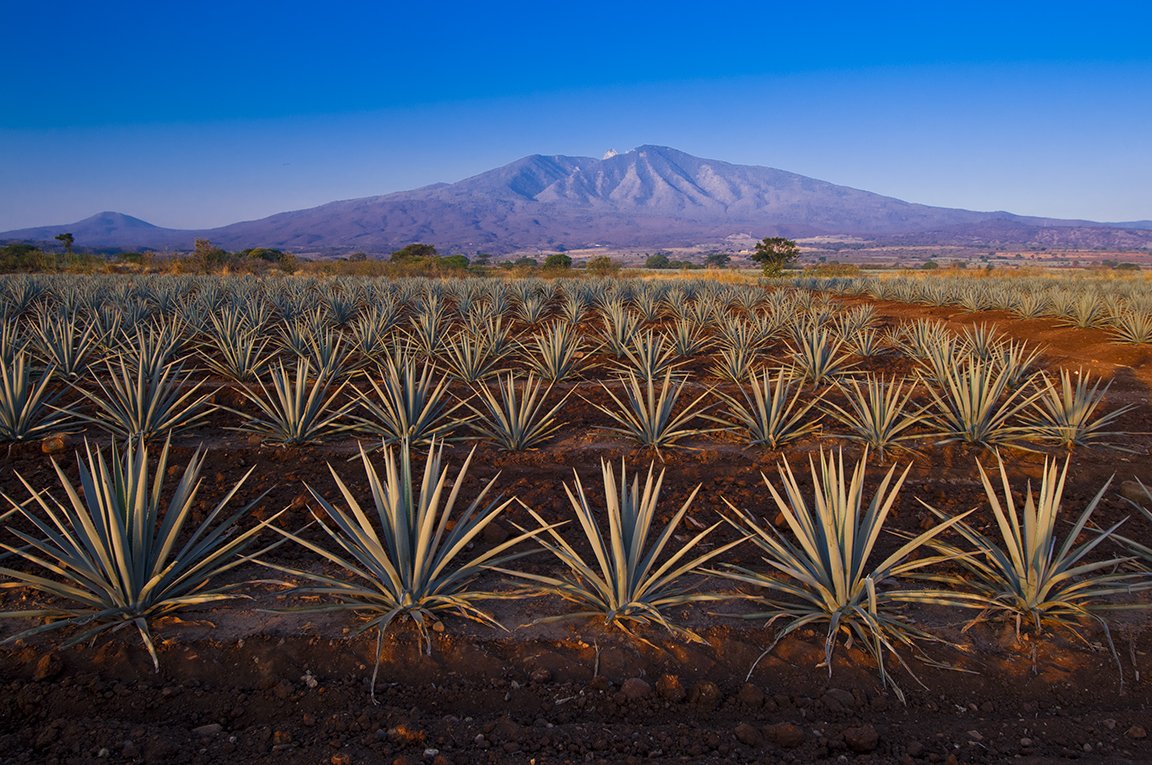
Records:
x=981, y=387
x=112, y=555
x=1123, y=307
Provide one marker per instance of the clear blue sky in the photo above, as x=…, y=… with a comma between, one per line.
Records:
x=201, y=114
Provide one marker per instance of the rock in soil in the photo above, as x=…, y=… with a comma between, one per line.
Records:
x=670, y=688
x=635, y=689
x=785, y=735
x=861, y=738
x=748, y=735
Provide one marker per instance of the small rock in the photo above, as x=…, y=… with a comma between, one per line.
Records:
x=1110, y=724
x=748, y=735
x=403, y=760
x=441, y=760
x=915, y=749
x=208, y=730
x=750, y=695
x=975, y=735
x=861, y=738
x=1025, y=742
x=1137, y=732
x=670, y=688
x=341, y=758
x=429, y=753
x=838, y=700
x=785, y=735
x=540, y=676
x=495, y=533
x=706, y=693
x=54, y=444
x=635, y=689
x=281, y=738
x=49, y=666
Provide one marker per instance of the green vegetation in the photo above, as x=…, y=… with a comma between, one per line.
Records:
x=775, y=253
x=410, y=558
x=629, y=581
x=115, y=557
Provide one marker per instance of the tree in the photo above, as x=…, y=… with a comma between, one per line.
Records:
x=526, y=261
x=558, y=261
x=414, y=251
x=601, y=264
x=717, y=260
x=67, y=240
x=267, y=254
x=659, y=260
x=207, y=257
x=775, y=253
x=455, y=262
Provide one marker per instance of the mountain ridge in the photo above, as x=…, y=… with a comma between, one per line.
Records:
x=651, y=196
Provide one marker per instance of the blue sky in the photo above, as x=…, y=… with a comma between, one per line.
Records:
x=194, y=115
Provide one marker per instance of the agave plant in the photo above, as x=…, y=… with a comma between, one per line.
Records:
x=238, y=353
x=24, y=404
x=112, y=557
x=1028, y=574
x=139, y=399
x=648, y=355
x=974, y=405
x=817, y=356
x=824, y=566
x=517, y=420
x=648, y=415
x=470, y=358
x=555, y=353
x=771, y=411
x=408, y=405
x=876, y=414
x=628, y=581
x=296, y=411
x=1130, y=325
x=689, y=338
x=1066, y=415
x=411, y=558
x=65, y=342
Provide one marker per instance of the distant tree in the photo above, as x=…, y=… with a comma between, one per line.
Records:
x=207, y=256
x=775, y=253
x=659, y=260
x=358, y=257
x=717, y=260
x=454, y=261
x=266, y=254
x=413, y=251
x=929, y=265
x=525, y=262
x=601, y=264
x=481, y=259
x=67, y=240
x=558, y=261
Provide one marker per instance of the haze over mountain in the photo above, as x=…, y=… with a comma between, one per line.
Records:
x=651, y=196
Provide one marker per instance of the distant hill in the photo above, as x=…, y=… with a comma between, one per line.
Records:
x=652, y=196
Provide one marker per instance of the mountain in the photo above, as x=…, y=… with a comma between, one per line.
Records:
x=652, y=196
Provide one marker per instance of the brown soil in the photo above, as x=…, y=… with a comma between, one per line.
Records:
x=268, y=687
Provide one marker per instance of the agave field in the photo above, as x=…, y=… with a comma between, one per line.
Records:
x=482, y=520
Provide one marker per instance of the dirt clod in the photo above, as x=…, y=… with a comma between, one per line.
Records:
x=785, y=735
x=861, y=738
x=634, y=689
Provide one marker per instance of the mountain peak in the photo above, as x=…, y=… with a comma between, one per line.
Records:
x=650, y=196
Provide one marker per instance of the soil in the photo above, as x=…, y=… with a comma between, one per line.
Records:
x=263, y=686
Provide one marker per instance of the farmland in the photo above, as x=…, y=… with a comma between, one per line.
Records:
x=302, y=519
